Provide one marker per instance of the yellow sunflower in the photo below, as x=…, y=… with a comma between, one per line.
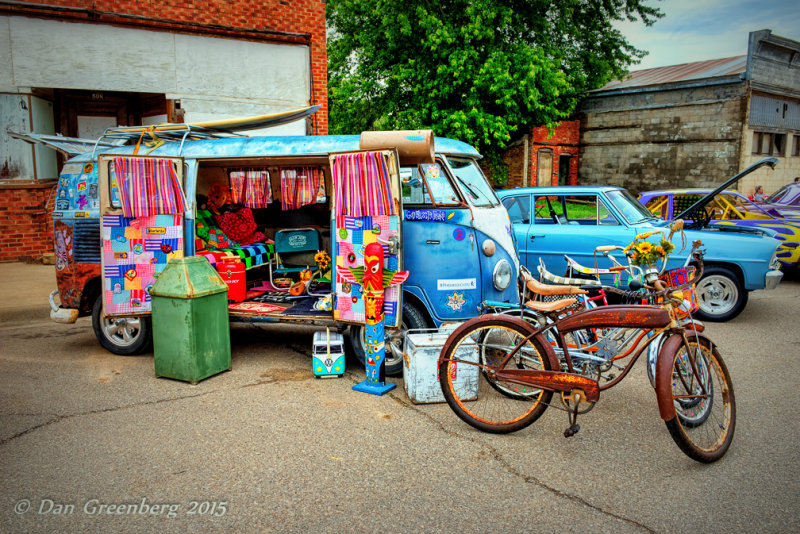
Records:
x=322, y=259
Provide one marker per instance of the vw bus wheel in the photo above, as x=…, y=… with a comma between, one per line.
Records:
x=124, y=336
x=412, y=318
x=720, y=294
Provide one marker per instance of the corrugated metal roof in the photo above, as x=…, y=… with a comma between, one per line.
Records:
x=698, y=70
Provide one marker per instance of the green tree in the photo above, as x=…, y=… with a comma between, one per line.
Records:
x=481, y=71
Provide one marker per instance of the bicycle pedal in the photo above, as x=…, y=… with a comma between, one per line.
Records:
x=571, y=431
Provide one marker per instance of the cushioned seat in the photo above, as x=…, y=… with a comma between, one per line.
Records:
x=294, y=250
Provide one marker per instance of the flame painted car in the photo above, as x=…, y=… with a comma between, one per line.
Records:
x=785, y=202
x=729, y=208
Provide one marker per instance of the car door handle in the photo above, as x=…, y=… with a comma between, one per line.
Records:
x=534, y=236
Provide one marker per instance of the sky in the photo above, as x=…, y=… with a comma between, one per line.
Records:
x=696, y=30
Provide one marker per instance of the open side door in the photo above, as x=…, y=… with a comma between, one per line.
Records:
x=136, y=249
x=367, y=208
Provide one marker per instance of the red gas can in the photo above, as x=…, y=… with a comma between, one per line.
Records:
x=232, y=271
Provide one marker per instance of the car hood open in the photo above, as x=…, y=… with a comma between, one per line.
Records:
x=696, y=212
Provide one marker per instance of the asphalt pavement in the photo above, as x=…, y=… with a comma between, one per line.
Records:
x=92, y=442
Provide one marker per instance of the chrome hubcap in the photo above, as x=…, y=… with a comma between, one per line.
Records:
x=717, y=295
x=122, y=330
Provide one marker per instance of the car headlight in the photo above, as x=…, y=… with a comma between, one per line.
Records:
x=502, y=275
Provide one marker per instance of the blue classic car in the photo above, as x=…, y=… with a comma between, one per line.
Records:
x=549, y=222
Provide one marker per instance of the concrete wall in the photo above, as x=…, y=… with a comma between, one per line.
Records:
x=772, y=179
x=773, y=64
x=646, y=139
x=773, y=72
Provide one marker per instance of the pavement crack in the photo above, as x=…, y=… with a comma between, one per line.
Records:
x=530, y=479
x=59, y=418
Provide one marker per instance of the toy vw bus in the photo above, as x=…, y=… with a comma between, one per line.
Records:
x=295, y=211
x=327, y=354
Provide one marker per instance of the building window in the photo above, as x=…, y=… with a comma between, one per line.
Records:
x=796, y=145
x=769, y=144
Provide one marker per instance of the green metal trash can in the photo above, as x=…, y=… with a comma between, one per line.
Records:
x=191, y=335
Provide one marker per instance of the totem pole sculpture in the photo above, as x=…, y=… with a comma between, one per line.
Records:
x=374, y=279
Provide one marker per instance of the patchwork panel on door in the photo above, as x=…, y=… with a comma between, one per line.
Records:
x=352, y=235
x=135, y=252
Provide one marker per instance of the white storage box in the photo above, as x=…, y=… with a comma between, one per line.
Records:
x=421, y=350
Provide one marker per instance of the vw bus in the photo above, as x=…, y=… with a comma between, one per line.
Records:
x=122, y=212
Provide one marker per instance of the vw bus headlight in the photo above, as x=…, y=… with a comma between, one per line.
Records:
x=502, y=275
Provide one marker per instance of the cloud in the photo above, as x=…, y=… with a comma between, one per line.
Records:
x=708, y=29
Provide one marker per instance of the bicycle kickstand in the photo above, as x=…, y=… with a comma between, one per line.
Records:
x=574, y=427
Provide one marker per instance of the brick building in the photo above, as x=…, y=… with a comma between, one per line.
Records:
x=76, y=67
x=695, y=124
x=540, y=159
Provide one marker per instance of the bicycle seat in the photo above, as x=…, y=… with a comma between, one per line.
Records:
x=550, y=306
x=547, y=289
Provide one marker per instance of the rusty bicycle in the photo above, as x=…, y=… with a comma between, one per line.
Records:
x=516, y=367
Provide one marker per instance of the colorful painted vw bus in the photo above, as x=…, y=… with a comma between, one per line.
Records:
x=294, y=211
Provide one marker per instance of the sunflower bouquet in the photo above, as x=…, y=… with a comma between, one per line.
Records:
x=643, y=253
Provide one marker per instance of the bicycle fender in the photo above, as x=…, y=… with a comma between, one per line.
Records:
x=488, y=318
x=666, y=356
x=637, y=316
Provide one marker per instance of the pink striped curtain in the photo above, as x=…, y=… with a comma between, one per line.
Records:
x=361, y=185
x=148, y=186
x=252, y=188
x=300, y=186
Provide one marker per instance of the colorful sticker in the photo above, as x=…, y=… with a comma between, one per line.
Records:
x=455, y=301
x=459, y=234
x=426, y=215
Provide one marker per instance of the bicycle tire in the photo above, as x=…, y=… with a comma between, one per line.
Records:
x=703, y=430
x=529, y=316
x=480, y=400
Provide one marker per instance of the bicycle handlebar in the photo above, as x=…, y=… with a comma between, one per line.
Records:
x=653, y=293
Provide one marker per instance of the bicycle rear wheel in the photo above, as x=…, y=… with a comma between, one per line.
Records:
x=466, y=374
x=704, y=402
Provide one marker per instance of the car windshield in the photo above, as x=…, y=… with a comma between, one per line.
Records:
x=785, y=195
x=630, y=208
x=777, y=195
x=472, y=182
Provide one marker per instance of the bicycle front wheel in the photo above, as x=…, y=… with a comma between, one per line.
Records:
x=466, y=374
x=705, y=406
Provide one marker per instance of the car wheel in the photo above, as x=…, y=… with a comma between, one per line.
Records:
x=413, y=318
x=123, y=336
x=720, y=294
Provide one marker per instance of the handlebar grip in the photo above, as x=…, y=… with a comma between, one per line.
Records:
x=607, y=248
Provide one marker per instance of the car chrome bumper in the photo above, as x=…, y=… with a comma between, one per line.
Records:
x=772, y=279
x=59, y=314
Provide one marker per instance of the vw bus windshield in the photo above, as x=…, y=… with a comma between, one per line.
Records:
x=472, y=182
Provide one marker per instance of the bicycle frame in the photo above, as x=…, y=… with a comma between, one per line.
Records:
x=521, y=365
x=648, y=319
